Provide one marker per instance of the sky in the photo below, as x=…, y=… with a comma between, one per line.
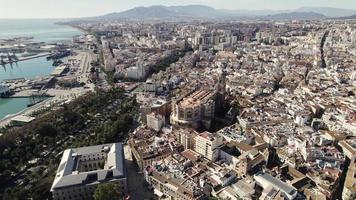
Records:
x=85, y=8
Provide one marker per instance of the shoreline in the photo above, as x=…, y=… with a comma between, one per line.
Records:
x=78, y=28
x=4, y=121
x=7, y=119
x=23, y=97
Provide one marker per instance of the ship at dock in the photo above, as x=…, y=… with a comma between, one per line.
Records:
x=59, y=55
x=4, y=90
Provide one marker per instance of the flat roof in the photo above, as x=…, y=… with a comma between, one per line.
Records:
x=276, y=183
x=23, y=118
x=58, y=70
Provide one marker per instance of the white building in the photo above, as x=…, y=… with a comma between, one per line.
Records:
x=208, y=145
x=105, y=43
x=139, y=71
x=81, y=170
x=302, y=118
x=155, y=121
x=186, y=137
x=136, y=72
x=266, y=181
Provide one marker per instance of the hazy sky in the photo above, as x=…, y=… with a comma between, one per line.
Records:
x=80, y=8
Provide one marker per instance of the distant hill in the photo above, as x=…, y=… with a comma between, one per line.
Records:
x=167, y=12
x=191, y=12
x=295, y=16
x=254, y=13
x=329, y=12
x=348, y=17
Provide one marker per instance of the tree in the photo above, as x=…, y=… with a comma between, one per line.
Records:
x=46, y=129
x=213, y=198
x=109, y=191
x=18, y=145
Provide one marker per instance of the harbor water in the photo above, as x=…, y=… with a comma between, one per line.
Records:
x=28, y=69
x=12, y=106
x=42, y=31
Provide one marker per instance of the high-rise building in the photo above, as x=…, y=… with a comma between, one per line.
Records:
x=139, y=71
x=186, y=137
x=208, y=145
x=155, y=121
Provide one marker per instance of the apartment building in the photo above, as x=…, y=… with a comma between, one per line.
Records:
x=208, y=144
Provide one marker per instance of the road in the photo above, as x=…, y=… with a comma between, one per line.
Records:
x=137, y=187
x=84, y=67
x=102, y=82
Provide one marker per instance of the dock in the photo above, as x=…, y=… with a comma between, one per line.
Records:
x=58, y=71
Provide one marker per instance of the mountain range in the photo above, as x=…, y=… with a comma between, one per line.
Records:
x=205, y=12
x=348, y=17
x=167, y=12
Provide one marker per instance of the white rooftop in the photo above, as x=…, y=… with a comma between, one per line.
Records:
x=23, y=118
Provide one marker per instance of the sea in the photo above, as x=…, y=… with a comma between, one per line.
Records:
x=42, y=30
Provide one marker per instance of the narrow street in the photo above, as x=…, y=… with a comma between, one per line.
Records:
x=137, y=187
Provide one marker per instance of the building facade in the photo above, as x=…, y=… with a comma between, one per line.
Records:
x=186, y=137
x=155, y=121
x=208, y=145
x=81, y=170
x=194, y=110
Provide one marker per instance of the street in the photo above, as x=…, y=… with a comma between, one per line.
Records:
x=136, y=183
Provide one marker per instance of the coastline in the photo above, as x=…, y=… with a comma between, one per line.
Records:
x=61, y=34
x=78, y=28
x=7, y=119
x=42, y=30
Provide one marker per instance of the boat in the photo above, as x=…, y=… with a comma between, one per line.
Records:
x=59, y=55
x=56, y=63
